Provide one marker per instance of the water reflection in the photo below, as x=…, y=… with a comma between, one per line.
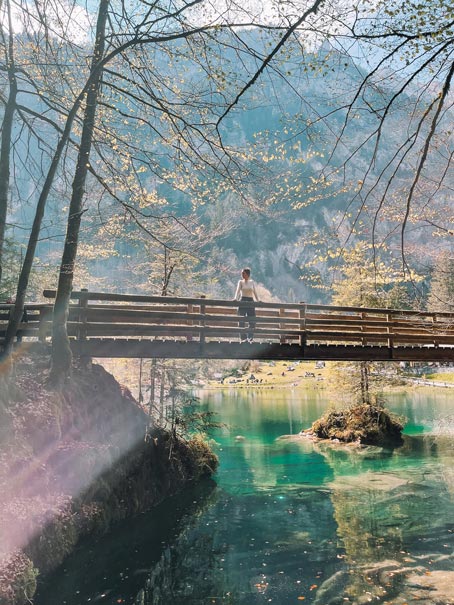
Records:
x=112, y=568
x=293, y=521
x=382, y=510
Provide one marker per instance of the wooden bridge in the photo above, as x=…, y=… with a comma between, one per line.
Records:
x=121, y=325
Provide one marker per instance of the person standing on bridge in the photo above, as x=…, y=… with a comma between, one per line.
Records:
x=246, y=293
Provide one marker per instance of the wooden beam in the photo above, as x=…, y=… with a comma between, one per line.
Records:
x=170, y=349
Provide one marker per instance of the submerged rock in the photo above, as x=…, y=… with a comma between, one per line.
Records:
x=332, y=589
x=436, y=585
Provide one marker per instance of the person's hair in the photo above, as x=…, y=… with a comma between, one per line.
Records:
x=247, y=271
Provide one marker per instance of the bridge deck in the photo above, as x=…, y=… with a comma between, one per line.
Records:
x=171, y=349
x=115, y=325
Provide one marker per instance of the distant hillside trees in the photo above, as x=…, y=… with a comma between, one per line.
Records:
x=364, y=279
x=441, y=293
x=402, y=55
x=12, y=257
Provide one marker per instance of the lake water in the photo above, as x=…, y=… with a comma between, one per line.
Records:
x=288, y=521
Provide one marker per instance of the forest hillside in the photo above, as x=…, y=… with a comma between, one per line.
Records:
x=289, y=215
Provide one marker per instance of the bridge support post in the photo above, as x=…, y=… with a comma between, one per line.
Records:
x=152, y=388
x=161, y=394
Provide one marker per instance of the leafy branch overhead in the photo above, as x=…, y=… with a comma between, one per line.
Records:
x=125, y=121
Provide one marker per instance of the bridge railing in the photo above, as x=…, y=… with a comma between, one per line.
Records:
x=104, y=315
x=126, y=316
x=35, y=322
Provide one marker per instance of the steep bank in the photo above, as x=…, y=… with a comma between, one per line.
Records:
x=72, y=462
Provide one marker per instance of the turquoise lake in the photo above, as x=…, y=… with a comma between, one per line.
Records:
x=286, y=520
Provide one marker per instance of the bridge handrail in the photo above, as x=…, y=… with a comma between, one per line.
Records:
x=142, y=298
x=185, y=300
x=34, y=306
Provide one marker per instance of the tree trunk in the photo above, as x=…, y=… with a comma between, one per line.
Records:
x=27, y=265
x=24, y=276
x=61, y=352
x=161, y=396
x=152, y=389
x=365, y=394
x=5, y=145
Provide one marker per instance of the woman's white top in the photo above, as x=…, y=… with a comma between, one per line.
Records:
x=246, y=288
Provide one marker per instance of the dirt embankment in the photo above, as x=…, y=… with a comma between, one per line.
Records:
x=72, y=461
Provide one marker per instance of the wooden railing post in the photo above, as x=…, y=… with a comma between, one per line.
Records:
x=434, y=330
x=281, y=325
x=85, y=359
x=82, y=315
x=388, y=330
x=202, y=322
x=302, y=316
x=363, y=317
x=44, y=314
x=190, y=323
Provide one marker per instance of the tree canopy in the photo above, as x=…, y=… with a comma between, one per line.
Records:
x=134, y=108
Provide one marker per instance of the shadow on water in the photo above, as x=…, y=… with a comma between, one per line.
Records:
x=112, y=568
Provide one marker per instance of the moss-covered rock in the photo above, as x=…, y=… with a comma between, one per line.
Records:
x=204, y=460
x=364, y=424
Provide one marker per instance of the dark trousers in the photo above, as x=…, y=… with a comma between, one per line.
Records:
x=246, y=310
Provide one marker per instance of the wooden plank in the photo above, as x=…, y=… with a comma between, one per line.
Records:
x=27, y=306
x=25, y=329
x=355, y=319
x=97, y=329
